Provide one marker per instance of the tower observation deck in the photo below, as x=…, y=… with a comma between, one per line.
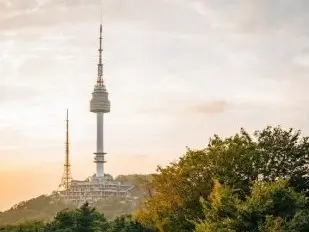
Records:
x=100, y=104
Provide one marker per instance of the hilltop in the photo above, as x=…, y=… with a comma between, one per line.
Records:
x=45, y=207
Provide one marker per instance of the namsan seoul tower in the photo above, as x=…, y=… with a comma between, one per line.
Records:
x=97, y=186
x=100, y=104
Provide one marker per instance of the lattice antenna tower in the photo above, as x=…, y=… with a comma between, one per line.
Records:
x=66, y=177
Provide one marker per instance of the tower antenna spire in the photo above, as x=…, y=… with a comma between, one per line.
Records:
x=100, y=64
x=101, y=8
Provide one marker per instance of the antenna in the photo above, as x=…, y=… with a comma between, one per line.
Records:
x=101, y=8
x=100, y=64
x=66, y=177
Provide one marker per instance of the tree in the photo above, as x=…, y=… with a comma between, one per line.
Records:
x=127, y=224
x=34, y=226
x=269, y=154
x=272, y=206
x=284, y=153
x=84, y=219
x=236, y=162
x=88, y=220
x=64, y=221
x=177, y=189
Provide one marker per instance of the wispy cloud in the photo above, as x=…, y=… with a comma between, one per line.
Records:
x=214, y=107
x=17, y=93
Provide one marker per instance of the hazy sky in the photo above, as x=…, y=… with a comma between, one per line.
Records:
x=177, y=71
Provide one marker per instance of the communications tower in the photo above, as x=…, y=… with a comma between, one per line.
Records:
x=98, y=186
x=66, y=177
x=99, y=104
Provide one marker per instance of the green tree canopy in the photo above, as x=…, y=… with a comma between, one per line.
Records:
x=237, y=162
x=127, y=224
x=84, y=219
x=271, y=206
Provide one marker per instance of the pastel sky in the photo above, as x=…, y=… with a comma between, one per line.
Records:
x=177, y=71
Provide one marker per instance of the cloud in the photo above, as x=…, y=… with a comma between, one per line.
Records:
x=33, y=14
x=16, y=93
x=172, y=17
x=302, y=60
x=225, y=106
x=213, y=107
x=267, y=17
x=186, y=16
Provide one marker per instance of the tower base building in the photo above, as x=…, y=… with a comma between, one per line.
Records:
x=93, y=189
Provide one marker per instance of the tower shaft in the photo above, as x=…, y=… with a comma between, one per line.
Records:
x=99, y=159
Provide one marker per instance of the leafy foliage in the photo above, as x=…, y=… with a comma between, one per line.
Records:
x=271, y=206
x=236, y=162
x=127, y=223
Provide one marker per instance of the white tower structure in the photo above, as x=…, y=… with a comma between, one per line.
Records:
x=98, y=186
x=99, y=104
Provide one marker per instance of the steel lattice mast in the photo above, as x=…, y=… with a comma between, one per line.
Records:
x=66, y=177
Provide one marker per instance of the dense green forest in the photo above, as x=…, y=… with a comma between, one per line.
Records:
x=247, y=182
